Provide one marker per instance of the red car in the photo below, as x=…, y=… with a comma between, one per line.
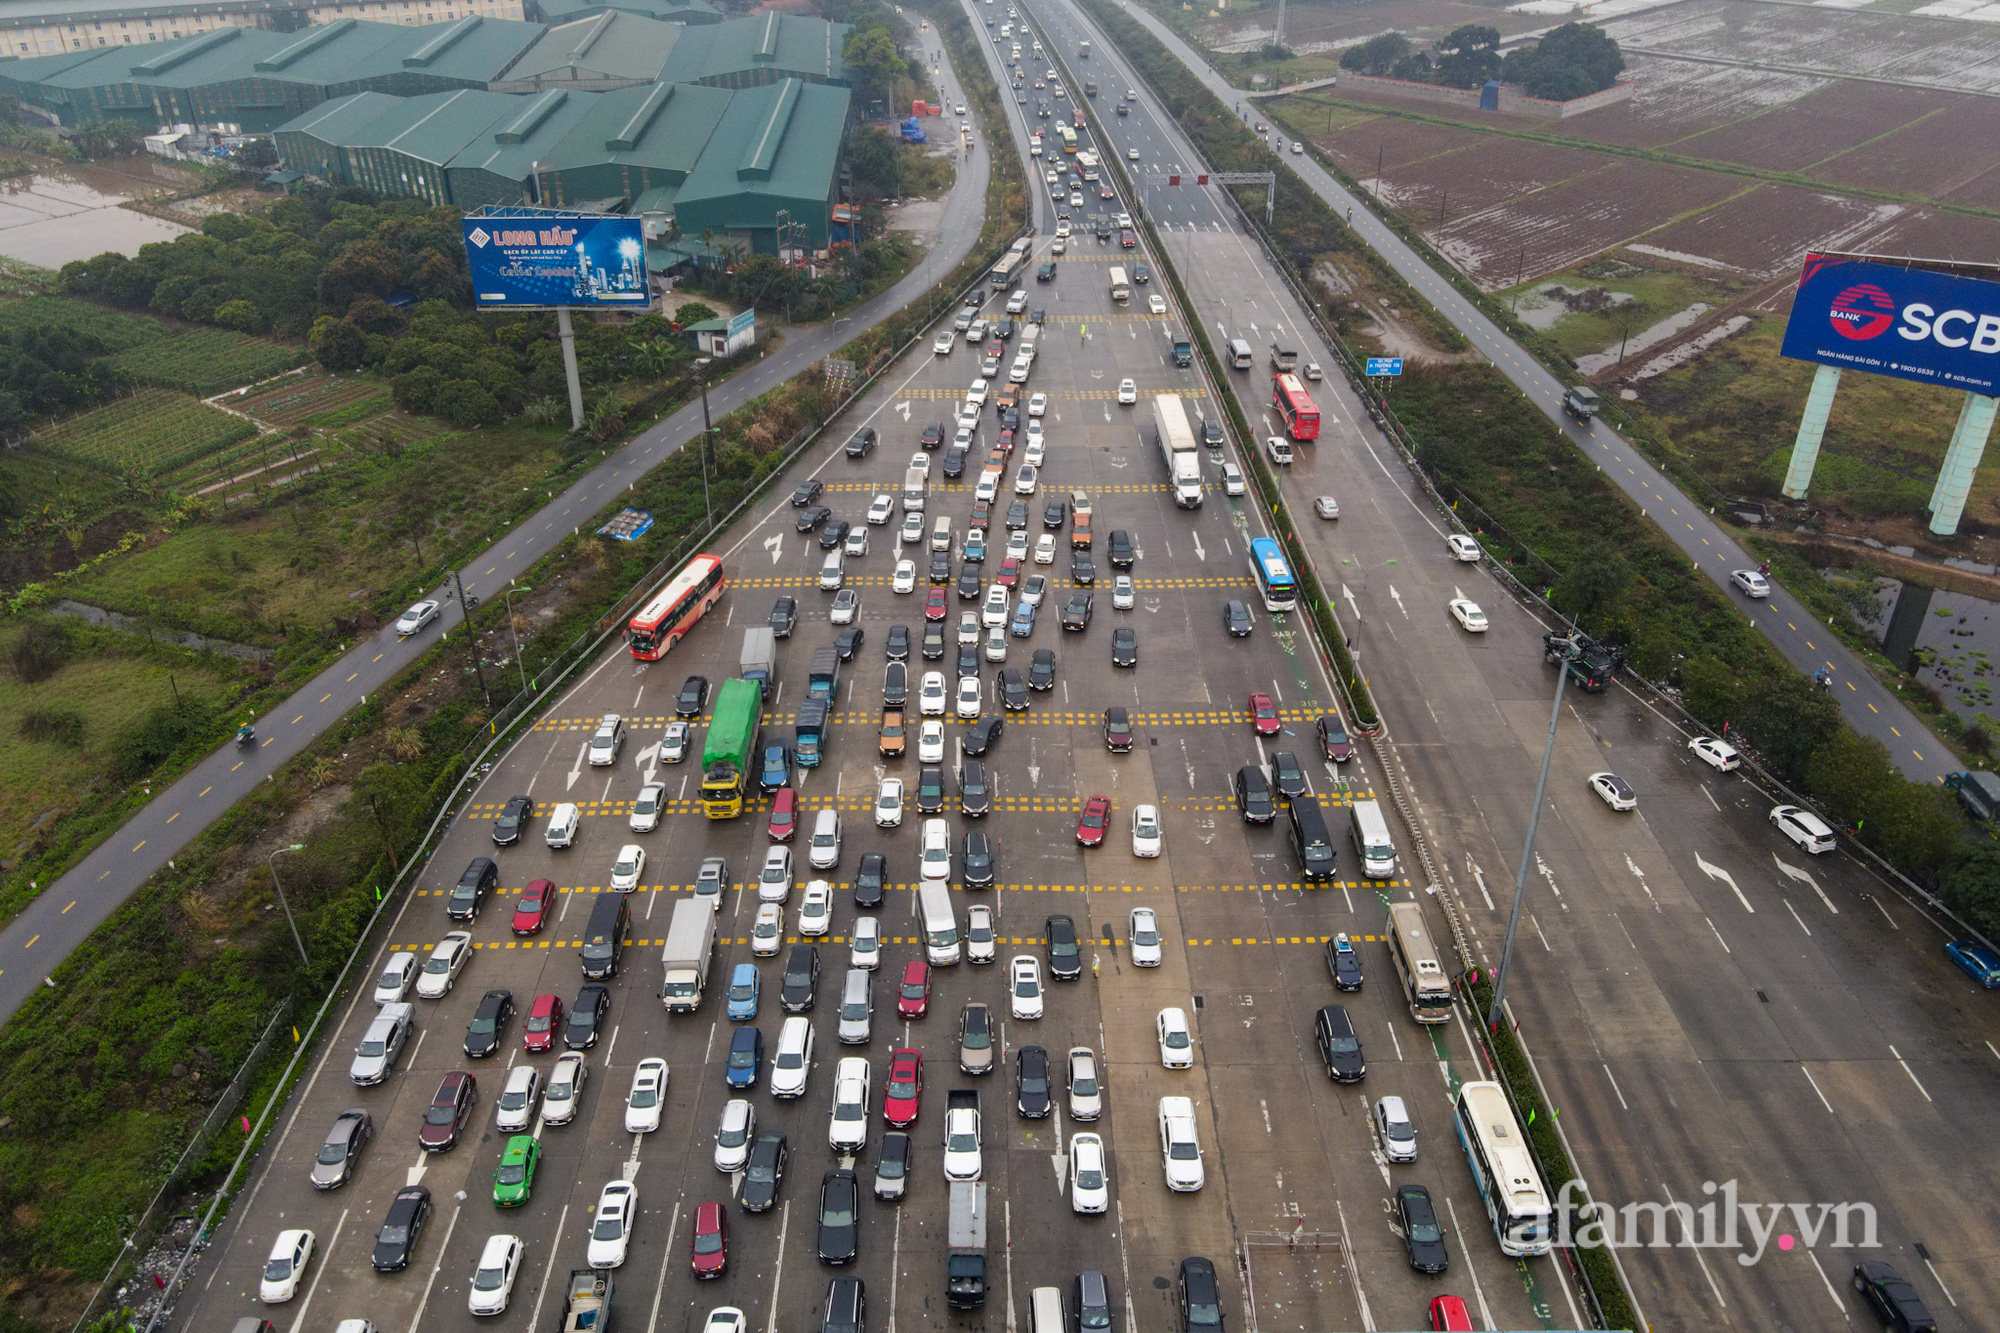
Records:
x=913, y=999
x=784, y=815
x=1449, y=1313
x=711, y=1241
x=1090, y=825
x=1010, y=572
x=905, y=1087
x=531, y=913
x=1006, y=442
x=1263, y=714
x=934, y=607
x=544, y=1018
x=448, y=1112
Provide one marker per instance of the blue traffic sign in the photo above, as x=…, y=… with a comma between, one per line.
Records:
x=1385, y=365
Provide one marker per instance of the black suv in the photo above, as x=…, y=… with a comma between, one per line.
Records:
x=694, y=693
x=1065, y=955
x=480, y=878
x=846, y=1306
x=870, y=879
x=930, y=791
x=514, y=817
x=1047, y=272
x=784, y=615
x=765, y=1172
x=489, y=1024
x=1892, y=1298
x=839, y=1217
x=801, y=982
x=1253, y=795
x=1076, y=614
x=586, y=1016
x=1031, y=1083
x=1286, y=774
x=861, y=442
x=954, y=461
x=1339, y=1048
x=1122, y=554
x=1201, y=1297
x=975, y=798
x=979, y=870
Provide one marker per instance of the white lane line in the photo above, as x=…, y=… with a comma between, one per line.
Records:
x=1795, y=915
x=1718, y=937
x=652, y=1321
x=1697, y=1253
x=777, y=1264
x=1816, y=1091
x=1478, y=1291
x=1831, y=1290
x=548, y=1278
x=1912, y=1073
x=1614, y=1087
x=417, y=1320
x=320, y=1261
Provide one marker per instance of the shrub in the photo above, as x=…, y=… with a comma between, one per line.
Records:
x=40, y=652
x=62, y=726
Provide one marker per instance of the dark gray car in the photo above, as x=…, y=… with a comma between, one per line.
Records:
x=340, y=1154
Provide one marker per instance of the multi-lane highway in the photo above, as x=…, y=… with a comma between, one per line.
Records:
x=36, y=941
x=1706, y=1003
x=1292, y=1211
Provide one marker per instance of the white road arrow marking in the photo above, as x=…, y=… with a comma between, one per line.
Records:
x=1717, y=872
x=903, y=406
x=1152, y=606
x=416, y=1173
x=1792, y=872
x=1550, y=876
x=1471, y=868
x=649, y=759
x=576, y=769
x=1399, y=601
x=1119, y=462
x=1352, y=605
x=1060, y=1161
x=1199, y=554
x=775, y=544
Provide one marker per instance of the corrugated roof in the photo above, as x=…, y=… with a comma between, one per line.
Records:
x=668, y=11
x=17, y=13
x=613, y=45
x=665, y=127
x=783, y=139
x=783, y=43
x=515, y=143
x=435, y=127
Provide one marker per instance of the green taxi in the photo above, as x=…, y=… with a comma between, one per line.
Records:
x=515, y=1180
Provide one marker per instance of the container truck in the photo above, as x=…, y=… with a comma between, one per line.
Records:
x=1177, y=449
x=1580, y=401
x=824, y=678
x=810, y=734
x=725, y=753
x=965, y=1263
x=588, y=1307
x=1978, y=791
x=690, y=945
x=760, y=656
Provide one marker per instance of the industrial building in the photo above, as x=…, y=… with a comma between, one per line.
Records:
x=601, y=54
x=685, y=12
x=743, y=53
x=44, y=27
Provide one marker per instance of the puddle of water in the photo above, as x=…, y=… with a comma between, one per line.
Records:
x=1959, y=637
x=65, y=213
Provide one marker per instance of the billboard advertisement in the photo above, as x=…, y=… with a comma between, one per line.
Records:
x=552, y=259
x=1914, y=324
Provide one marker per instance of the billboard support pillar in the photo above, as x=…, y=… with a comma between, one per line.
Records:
x=567, y=332
x=1961, y=461
x=1812, y=425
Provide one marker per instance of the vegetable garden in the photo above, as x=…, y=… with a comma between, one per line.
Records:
x=152, y=432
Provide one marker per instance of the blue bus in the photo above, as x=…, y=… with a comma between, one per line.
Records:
x=1273, y=574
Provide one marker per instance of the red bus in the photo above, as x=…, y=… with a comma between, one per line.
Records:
x=1076, y=117
x=663, y=621
x=1295, y=405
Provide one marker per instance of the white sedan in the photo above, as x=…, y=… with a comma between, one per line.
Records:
x=1157, y=304
x=648, y=1096
x=975, y=393
x=414, y=619
x=883, y=508
x=1617, y=793
x=1146, y=833
x=290, y=1254
x=652, y=797
x=1017, y=302
x=1720, y=755
x=1326, y=506
x=441, y=969
x=816, y=908
x=493, y=1281
x=1180, y=1145
x=1132, y=153
x=930, y=743
x=1128, y=391
x=1176, y=1045
x=734, y=1133
x=1467, y=613
x=848, y=1130
x=1033, y=587
x=930, y=694
x=1024, y=986
x=846, y=606
x=968, y=695
x=944, y=342
x=767, y=932
x=611, y=1232
x=1143, y=932
x=1025, y=479
x=1752, y=583
x=1038, y=404
x=979, y=940
x=905, y=580
x=629, y=868
x=1089, y=1179
x=1463, y=548
x=889, y=803
x=515, y=1110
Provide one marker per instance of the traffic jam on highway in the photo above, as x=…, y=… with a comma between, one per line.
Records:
x=970, y=786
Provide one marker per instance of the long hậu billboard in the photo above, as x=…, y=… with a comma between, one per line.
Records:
x=1912, y=323
x=550, y=259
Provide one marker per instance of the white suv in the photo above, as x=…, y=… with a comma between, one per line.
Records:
x=1180, y=1149
x=793, y=1059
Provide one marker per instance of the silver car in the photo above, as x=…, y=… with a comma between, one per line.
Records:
x=1086, y=1094
x=674, y=744
x=341, y=1153
x=387, y=1033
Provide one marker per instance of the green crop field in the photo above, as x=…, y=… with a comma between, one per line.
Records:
x=117, y=332
x=152, y=432
x=207, y=361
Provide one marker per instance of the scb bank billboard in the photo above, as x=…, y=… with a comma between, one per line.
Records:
x=552, y=259
x=1914, y=324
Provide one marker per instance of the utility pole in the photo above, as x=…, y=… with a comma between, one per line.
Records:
x=1520, y=268
x=1493, y=1014
x=466, y=604
x=272, y=861
x=1378, y=172
x=701, y=378
x=508, y=597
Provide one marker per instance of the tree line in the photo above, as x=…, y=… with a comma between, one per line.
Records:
x=1571, y=61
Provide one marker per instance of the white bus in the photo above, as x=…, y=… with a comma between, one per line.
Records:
x=934, y=913
x=1503, y=1167
x=1415, y=952
x=1121, y=287
x=1007, y=270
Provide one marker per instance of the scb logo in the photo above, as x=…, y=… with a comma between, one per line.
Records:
x=1862, y=312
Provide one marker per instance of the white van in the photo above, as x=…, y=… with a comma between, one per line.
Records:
x=1371, y=840
x=916, y=485
x=940, y=925
x=562, y=826
x=1239, y=354
x=1045, y=1310
x=833, y=573
x=941, y=534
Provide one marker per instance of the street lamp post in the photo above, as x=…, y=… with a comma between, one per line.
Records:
x=272, y=861
x=701, y=377
x=1528, y=849
x=508, y=598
